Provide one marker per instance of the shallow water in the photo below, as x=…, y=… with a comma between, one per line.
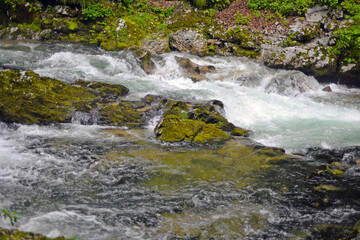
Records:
x=98, y=182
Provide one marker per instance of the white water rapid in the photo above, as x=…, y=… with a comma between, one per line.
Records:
x=283, y=108
x=81, y=181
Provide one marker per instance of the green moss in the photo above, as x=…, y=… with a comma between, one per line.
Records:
x=175, y=129
x=239, y=132
x=121, y=114
x=328, y=188
x=14, y=234
x=25, y=97
x=72, y=25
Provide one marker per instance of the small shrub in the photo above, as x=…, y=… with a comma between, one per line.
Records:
x=95, y=11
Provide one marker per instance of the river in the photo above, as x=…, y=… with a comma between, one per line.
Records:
x=98, y=182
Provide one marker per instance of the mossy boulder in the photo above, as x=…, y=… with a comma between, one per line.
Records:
x=104, y=90
x=27, y=98
x=195, y=123
x=120, y=114
x=19, y=235
x=175, y=129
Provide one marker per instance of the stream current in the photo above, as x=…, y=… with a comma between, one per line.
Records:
x=87, y=182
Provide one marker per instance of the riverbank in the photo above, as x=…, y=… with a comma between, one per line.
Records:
x=308, y=43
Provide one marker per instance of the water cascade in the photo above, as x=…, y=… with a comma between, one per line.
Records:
x=100, y=182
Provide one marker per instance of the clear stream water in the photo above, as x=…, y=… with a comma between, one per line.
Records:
x=88, y=183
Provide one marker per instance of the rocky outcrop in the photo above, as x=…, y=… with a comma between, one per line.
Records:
x=192, y=70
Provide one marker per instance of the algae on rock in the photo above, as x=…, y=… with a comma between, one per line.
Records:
x=27, y=98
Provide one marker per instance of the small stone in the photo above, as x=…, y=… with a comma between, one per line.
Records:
x=327, y=89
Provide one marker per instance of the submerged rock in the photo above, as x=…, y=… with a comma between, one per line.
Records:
x=146, y=62
x=192, y=70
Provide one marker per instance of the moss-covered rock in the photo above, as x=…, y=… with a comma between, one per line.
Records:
x=176, y=129
x=27, y=98
x=195, y=123
x=7, y=234
x=120, y=114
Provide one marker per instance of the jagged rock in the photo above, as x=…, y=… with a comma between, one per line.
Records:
x=316, y=14
x=194, y=71
x=146, y=62
x=327, y=89
x=304, y=32
x=188, y=40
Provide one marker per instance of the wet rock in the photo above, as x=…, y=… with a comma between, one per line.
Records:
x=175, y=129
x=195, y=123
x=146, y=62
x=27, y=98
x=16, y=234
x=121, y=114
x=194, y=71
x=347, y=155
x=327, y=89
x=188, y=40
x=104, y=90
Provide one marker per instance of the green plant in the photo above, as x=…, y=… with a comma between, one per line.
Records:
x=256, y=13
x=11, y=3
x=269, y=16
x=163, y=12
x=81, y=3
x=240, y=19
x=11, y=215
x=348, y=38
x=200, y=3
x=95, y=11
x=286, y=8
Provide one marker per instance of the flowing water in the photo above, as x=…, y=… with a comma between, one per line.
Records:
x=99, y=182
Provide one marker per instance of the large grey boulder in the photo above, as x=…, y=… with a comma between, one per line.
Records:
x=188, y=40
x=316, y=14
